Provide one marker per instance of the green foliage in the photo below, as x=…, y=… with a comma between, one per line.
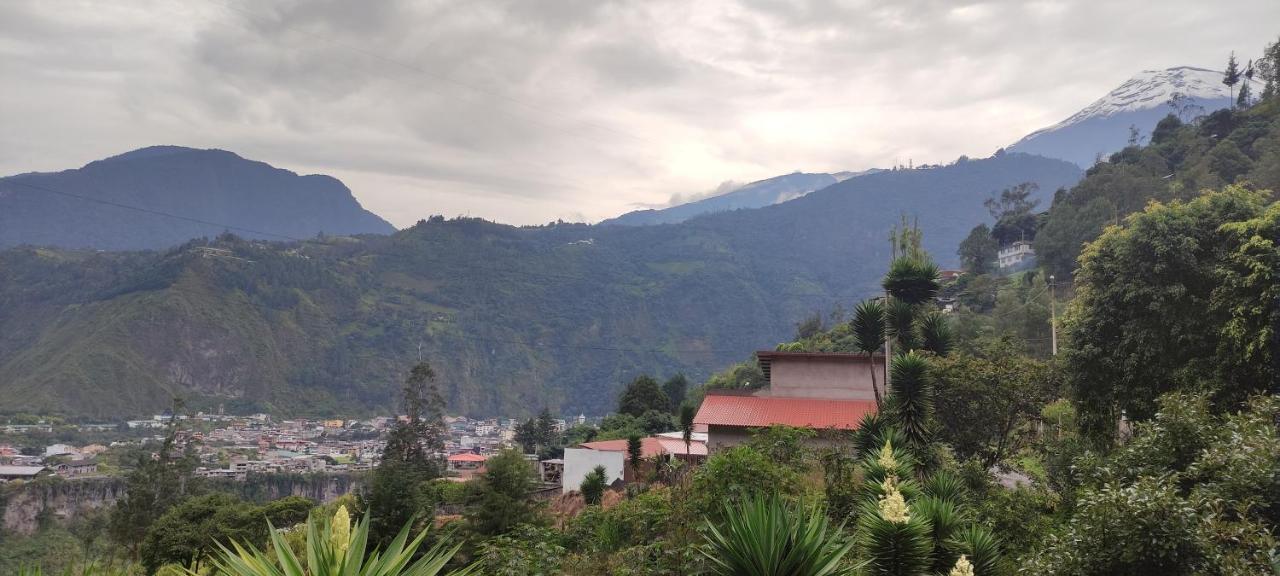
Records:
x=911, y=401
x=499, y=500
x=593, y=485
x=990, y=400
x=676, y=388
x=980, y=547
x=398, y=492
x=153, y=487
x=336, y=548
x=1142, y=529
x=191, y=531
x=1012, y=211
x=1143, y=322
x=894, y=548
x=525, y=551
x=912, y=280
x=900, y=323
x=737, y=474
x=640, y=519
x=641, y=395
x=538, y=436
x=768, y=537
x=935, y=333
x=979, y=251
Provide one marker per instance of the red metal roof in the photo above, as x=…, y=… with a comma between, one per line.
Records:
x=467, y=457
x=649, y=447
x=760, y=411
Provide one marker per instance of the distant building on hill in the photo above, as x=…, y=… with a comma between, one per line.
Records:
x=827, y=392
x=1017, y=256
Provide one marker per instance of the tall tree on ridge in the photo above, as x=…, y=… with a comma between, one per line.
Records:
x=1231, y=76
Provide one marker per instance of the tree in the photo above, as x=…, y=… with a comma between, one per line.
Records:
x=538, y=435
x=635, y=455
x=643, y=394
x=1244, y=99
x=869, y=336
x=194, y=530
x=989, y=397
x=1269, y=70
x=687, y=414
x=912, y=280
x=676, y=388
x=1144, y=321
x=1231, y=76
x=935, y=333
x=397, y=493
x=157, y=483
x=499, y=500
x=978, y=251
x=593, y=485
x=1013, y=213
x=911, y=403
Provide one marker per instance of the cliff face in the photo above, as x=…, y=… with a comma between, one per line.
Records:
x=22, y=506
x=62, y=500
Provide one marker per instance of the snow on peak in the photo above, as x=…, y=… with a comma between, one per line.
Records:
x=1150, y=89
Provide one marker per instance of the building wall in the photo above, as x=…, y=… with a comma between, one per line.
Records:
x=823, y=378
x=578, y=462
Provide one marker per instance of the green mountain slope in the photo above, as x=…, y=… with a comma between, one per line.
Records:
x=514, y=319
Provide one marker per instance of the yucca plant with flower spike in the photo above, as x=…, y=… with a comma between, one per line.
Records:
x=336, y=548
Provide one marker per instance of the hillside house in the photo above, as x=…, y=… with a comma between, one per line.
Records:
x=823, y=391
x=10, y=473
x=466, y=464
x=81, y=467
x=612, y=454
x=1017, y=256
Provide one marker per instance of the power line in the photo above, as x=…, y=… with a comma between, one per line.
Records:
x=150, y=211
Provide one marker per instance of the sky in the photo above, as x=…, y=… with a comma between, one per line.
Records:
x=526, y=112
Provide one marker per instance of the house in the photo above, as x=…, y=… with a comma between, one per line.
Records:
x=1017, y=256
x=828, y=392
x=60, y=450
x=81, y=467
x=612, y=454
x=466, y=464
x=551, y=471
x=8, y=473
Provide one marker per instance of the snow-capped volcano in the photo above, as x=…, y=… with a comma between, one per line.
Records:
x=1103, y=126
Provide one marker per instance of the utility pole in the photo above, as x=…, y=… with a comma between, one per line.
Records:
x=1053, y=317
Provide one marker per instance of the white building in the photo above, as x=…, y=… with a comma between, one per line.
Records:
x=1016, y=255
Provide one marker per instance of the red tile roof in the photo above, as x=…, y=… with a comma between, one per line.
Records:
x=760, y=411
x=467, y=457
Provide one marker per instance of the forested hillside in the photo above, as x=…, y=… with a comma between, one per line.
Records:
x=514, y=319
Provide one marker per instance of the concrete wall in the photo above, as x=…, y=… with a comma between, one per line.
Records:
x=833, y=379
x=578, y=462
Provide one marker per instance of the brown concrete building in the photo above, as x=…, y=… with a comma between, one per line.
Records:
x=823, y=391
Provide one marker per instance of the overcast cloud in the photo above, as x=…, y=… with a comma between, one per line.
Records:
x=525, y=112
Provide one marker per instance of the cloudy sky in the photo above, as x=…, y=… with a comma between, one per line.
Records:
x=525, y=112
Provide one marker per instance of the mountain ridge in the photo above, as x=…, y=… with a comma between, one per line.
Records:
x=111, y=203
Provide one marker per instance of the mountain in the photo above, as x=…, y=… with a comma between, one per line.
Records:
x=754, y=195
x=1102, y=127
x=85, y=207
x=512, y=318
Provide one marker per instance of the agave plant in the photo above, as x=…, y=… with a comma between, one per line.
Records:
x=946, y=486
x=767, y=537
x=336, y=548
x=945, y=519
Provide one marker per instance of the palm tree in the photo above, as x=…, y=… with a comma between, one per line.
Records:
x=868, y=335
x=767, y=537
x=912, y=280
x=687, y=414
x=935, y=333
x=911, y=406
